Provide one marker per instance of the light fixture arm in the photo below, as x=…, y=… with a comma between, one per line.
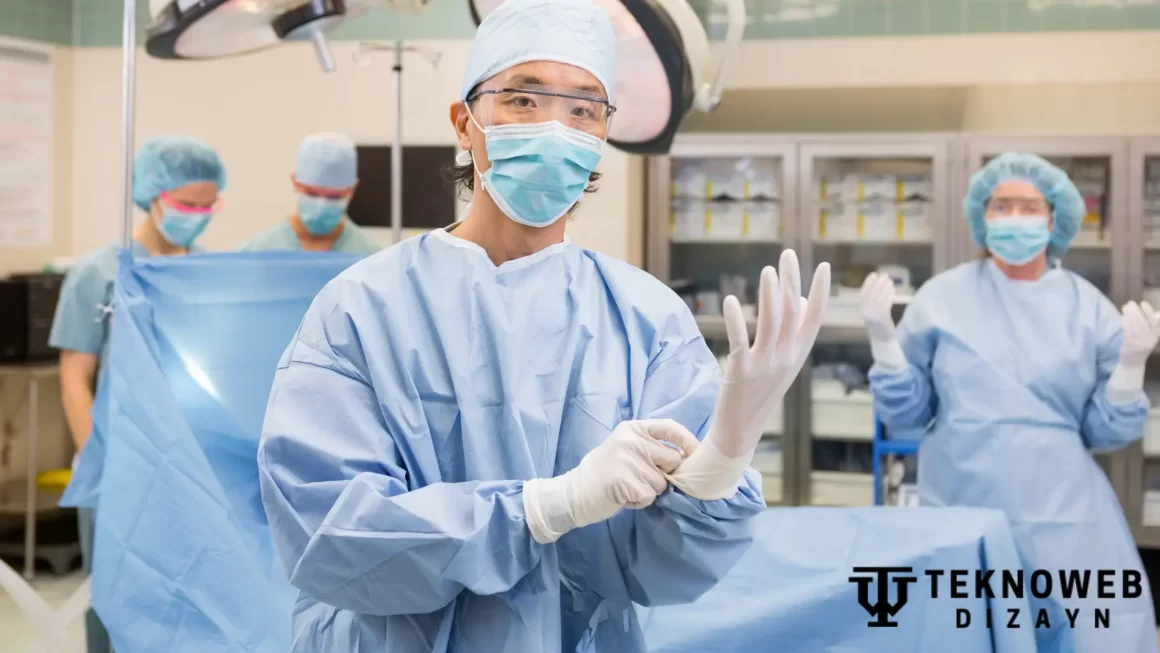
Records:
x=709, y=94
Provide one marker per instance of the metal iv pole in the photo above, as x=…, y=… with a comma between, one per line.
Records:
x=397, y=49
x=128, y=97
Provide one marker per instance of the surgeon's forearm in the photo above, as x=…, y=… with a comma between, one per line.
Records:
x=387, y=554
x=1126, y=384
x=77, y=400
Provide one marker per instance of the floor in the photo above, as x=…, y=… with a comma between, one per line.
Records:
x=19, y=636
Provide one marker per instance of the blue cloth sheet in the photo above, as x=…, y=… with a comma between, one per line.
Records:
x=183, y=559
x=792, y=590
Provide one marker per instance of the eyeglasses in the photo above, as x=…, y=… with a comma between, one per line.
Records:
x=534, y=104
x=322, y=193
x=1016, y=206
x=172, y=203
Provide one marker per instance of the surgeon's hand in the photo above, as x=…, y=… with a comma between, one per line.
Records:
x=626, y=470
x=757, y=376
x=877, y=301
x=1141, y=333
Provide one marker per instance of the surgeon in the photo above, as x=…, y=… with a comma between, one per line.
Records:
x=176, y=181
x=324, y=179
x=489, y=439
x=1023, y=369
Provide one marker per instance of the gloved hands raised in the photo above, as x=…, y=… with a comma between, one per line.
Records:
x=626, y=470
x=757, y=377
x=1141, y=324
x=1141, y=332
x=877, y=302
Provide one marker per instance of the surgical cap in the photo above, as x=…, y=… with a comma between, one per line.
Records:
x=1068, y=208
x=168, y=162
x=327, y=160
x=574, y=32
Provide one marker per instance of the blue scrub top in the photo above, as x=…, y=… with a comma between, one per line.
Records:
x=82, y=317
x=352, y=240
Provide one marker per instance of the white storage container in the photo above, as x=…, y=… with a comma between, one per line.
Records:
x=879, y=187
x=725, y=220
x=841, y=489
x=1152, y=433
x=915, y=221
x=767, y=461
x=764, y=220
x=879, y=221
x=1152, y=508
x=840, y=416
x=844, y=309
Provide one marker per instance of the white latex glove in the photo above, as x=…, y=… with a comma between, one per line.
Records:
x=757, y=377
x=877, y=301
x=626, y=470
x=1141, y=325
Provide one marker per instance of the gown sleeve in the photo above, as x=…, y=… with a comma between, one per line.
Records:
x=679, y=547
x=346, y=526
x=906, y=400
x=1106, y=426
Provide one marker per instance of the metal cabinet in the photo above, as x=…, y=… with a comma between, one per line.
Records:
x=866, y=202
x=722, y=207
x=1141, y=463
x=718, y=211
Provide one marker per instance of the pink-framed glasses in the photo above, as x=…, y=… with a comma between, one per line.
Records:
x=168, y=200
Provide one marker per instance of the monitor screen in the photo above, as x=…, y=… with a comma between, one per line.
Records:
x=428, y=198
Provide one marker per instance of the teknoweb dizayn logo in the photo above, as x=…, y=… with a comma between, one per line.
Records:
x=876, y=585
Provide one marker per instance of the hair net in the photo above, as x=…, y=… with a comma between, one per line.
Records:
x=168, y=162
x=328, y=160
x=574, y=32
x=1068, y=208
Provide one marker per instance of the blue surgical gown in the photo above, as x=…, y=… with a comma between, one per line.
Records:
x=352, y=240
x=1014, y=376
x=83, y=311
x=424, y=386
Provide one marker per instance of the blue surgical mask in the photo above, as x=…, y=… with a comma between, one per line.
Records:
x=320, y=215
x=181, y=228
x=1017, y=240
x=538, y=172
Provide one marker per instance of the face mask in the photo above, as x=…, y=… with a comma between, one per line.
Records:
x=320, y=215
x=1016, y=241
x=538, y=172
x=181, y=228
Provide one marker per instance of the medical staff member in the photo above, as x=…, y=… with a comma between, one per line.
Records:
x=176, y=181
x=324, y=179
x=464, y=448
x=1023, y=369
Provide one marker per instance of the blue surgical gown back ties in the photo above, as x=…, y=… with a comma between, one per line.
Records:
x=1014, y=375
x=424, y=386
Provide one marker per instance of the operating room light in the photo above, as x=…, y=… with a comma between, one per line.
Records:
x=664, y=67
x=207, y=29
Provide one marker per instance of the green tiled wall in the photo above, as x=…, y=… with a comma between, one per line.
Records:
x=50, y=21
x=98, y=22
x=797, y=19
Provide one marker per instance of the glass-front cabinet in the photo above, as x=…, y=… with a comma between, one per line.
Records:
x=718, y=216
x=867, y=207
x=721, y=207
x=1143, y=461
